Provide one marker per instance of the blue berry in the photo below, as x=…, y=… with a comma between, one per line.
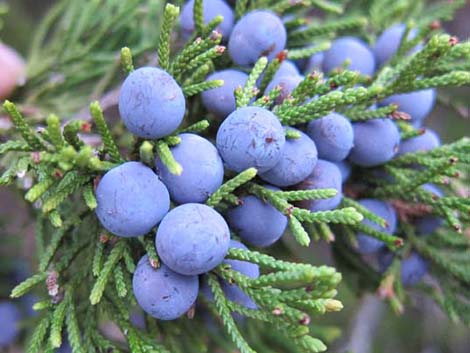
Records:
x=232, y=291
x=10, y=318
x=325, y=175
x=429, y=224
x=298, y=159
x=333, y=135
x=413, y=269
x=131, y=200
x=251, y=137
x=417, y=104
x=422, y=143
x=287, y=68
x=389, y=41
x=352, y=49
x=384, y=258
x=345, y=169
x=368, y=244
x=315, y=62
x=162, y=293
x=151, y=103
x=203, y=171
x=192, y=239
x=287, y=83
x=220, y=101
x=257, y=222
x=65, y=347
x=375, y=142
x=258, y=33
x=211, y=9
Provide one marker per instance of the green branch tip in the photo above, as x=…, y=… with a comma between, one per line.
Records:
x=126, y=60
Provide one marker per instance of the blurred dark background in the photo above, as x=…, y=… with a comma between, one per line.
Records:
x=422, y=329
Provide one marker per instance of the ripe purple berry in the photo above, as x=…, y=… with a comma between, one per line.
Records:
x=389, y=42
x=257, y=222
x=417, y=104
x=232, y=291
x=258, y=33
x=287, y=68
x=368, y=244
x=428, y=224
x=220, y=101
x=203, y=172
x=413, y=269
x=315, y=62
x=211, y=9
x=375, y=142
x=151, y=103
x=192, y=239
x=299, y=157
x=349, y=49
x=251, y=137
x=422, y=143
x=162, y=293
x=333, y=135
x=10, y=318
x=287, y=83
x=131, y=200
x=325, y=175
x=345, y=169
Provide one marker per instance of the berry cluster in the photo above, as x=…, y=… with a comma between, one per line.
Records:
x=193, y=238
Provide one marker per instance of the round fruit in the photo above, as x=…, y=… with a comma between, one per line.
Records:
x=131, y=200
x=151, y=103
x=429, y=224
x=211, y=9
x=417, y=104
x=9, y=324
x=389, y=42
x=422, y=143
x=315, y=62
x=192, y=239
x=375, y=142
x=232, y=291
x=287, y=68
x=203, y=171
x=333, y=135
x=325, y=175
x=413, y=269
x=353, y=50
x=251, y=137
x=258, y=33
x=366, y=243
x=287, y=83
x=220, y=101
x=162, y=293
x=298, y=158
x=256, y=221
x=345, y=169
x=12, y=70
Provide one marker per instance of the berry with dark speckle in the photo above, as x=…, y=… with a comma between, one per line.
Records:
x=151, y=103
x=203, y=170
x=192, y=239
x=298, y=159
x=131, y=200
x=251, y=137
x=163, y=293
